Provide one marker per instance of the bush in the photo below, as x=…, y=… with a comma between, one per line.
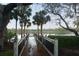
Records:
x=67, y=41
x=8, y=35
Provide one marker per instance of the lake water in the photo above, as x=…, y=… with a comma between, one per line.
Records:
x=60, y=34
x=31, y=36
x=19, y=37
x=32, y=46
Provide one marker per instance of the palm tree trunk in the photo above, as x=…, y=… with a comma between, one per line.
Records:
x=16, y=30
x=21, y=32
x=38, y=30
x=41, y=32
x=24, y=31
x=41, y=29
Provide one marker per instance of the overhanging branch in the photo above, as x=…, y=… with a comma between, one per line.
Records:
x=62, y=19
x=72, y=30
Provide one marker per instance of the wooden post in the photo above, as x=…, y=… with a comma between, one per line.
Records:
x=16, y=42
x=15, y=47
x=56, y=47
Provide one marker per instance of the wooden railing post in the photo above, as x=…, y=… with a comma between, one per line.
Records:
x=56, y=47
x=22, y=43
x=52, y=41
x=15, y=47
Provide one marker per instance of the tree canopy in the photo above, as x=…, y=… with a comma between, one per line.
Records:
x=41, y=18
x=63, y=11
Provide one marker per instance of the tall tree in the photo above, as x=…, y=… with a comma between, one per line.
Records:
x=41, y=18
x=26, y=18
x=25, y=13
x=63, y=12
x=4, y=20
x=36, y=21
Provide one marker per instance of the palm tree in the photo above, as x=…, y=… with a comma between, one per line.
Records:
x=36, y=21
x=41, y=18
x=44, y=18
x=25, y=12
x=21, y=25
x=14, y=15
x=26, y=21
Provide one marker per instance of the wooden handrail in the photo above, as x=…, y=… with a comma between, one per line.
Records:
x=53, y=41
x=17, y=44
x=45, y=48
x=22, y=39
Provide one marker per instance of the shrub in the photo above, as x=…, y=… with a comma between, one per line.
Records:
x=8, y=35
x=67, y=41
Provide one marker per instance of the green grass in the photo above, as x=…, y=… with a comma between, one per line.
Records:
x=67, y=41
x=6, y=53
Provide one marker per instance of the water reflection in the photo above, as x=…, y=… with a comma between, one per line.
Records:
x=19, y=37
x=32, y=46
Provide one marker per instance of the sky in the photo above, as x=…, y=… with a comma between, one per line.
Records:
x=35, y=8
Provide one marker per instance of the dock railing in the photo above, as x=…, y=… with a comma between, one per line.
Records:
x=19, y=46
x=50, y=45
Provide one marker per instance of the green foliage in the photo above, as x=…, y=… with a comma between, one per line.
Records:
x=63, y=12
x=41, y=17
x=9, y=34
x=67, y=41
x=24, y=14
x=6, y=53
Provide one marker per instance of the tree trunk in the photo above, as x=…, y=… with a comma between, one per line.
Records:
x=21, y=32
x=24, y=31
x=67, y=26
x=38, y=30
x=76, y=33
x=41, y=29
x=72, y=30
x=42, y=32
